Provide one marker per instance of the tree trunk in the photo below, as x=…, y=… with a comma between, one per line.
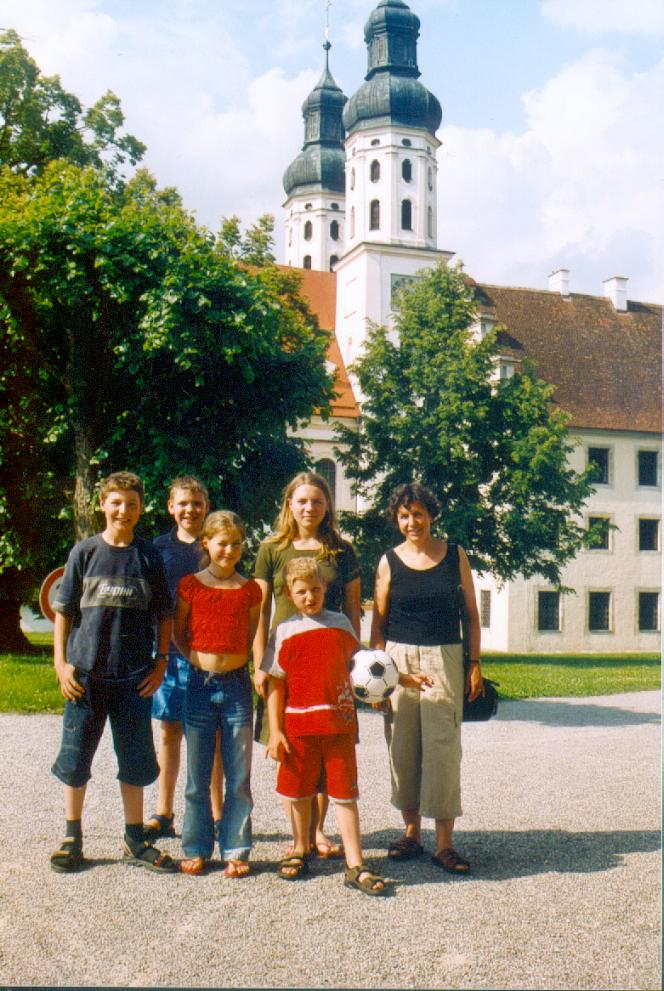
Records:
x=12, y=638
x=84, y=510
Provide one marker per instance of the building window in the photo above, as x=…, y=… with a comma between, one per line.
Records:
x=334, y=206
x=599, y=612
x=374, y=215
x=352, y=178
x=375, y=142
x=333, y=261
x=290, y=236
x=374, y=170
x=648, y=535
x=430, y=222
x=334, y=230
x=647, y=467
x=307, y=206
x=352, y=221
x=406, y=215
x=485, y=608
x=648, y=612
x=308, y=230
x=598, y=459
x=306, y=262
x=327, y=469
x=600, y=532
x=406, y=170
x=406, y=142
x=548, y=611
x=430, y=178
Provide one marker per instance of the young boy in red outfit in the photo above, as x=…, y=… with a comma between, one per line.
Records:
x=312, y=721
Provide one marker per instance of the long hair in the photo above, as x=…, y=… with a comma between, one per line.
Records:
x=285, y=527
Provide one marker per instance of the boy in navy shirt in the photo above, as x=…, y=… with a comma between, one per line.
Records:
x=113, y=595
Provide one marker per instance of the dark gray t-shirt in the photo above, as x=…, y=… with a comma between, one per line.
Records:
x=115, y=596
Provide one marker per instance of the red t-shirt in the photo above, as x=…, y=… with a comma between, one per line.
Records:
x=312, y=654
x=219, y=617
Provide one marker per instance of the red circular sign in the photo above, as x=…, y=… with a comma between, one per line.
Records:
x=48, y=592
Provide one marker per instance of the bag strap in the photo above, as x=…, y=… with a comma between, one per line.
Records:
x=461, y=601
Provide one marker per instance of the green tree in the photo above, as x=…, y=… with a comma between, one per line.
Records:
x=495, y=452
x=255, y=246
x=132, y=339
x=40, y=121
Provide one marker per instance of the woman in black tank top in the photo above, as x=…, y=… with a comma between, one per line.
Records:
x=416, y=619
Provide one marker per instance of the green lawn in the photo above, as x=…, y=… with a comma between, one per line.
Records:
x=27, y=684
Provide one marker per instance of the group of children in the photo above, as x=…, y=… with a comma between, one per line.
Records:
x=119, y=595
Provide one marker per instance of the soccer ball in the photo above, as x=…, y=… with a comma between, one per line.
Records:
x=373, y=675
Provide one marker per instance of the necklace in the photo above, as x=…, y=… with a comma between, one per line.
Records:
x=220, y=578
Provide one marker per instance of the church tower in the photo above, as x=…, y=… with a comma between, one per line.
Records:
x=315, y=181
x=391, y=177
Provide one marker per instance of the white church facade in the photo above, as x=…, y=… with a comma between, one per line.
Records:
x=361, y=215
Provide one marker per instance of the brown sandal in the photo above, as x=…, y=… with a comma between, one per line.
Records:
x=194, y=866
x=451, y=861
x=405, y=848
x=237, y=868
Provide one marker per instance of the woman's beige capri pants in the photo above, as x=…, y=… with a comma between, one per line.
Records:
x=423, y=732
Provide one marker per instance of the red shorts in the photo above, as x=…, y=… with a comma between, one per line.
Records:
x=300, y=771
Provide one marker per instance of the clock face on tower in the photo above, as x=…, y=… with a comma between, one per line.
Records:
x=399, y=282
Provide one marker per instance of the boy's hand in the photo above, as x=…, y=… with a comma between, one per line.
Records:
x=260, y=683
x=69, y=686
x=277, y=745
x=149, y=685
x=419, y=681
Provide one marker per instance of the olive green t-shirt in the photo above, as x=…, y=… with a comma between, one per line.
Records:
x=339, y=568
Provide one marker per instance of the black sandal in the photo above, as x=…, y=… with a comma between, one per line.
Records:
x=148, y=856
x=159, y=827
x=362, y=878
x=405, y=848
x=295, y=863
x=69, y=856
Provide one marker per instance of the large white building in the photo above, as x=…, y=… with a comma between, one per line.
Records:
x=361, y=218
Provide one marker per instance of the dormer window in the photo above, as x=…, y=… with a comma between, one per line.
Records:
x=308, y=230
x=374, y=170
x=406, y=170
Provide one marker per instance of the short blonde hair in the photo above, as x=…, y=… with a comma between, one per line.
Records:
x=223, y=519
x=121, y=481
x=306, y=569
x=188, y=483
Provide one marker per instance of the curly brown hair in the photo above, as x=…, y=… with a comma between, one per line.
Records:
x=407, y=494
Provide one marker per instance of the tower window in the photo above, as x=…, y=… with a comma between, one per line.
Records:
x=352, y=221
x=308, y=230
x=327, y=469
x=430, y=178
x=374, y=215
x=375, y=142
x=306, y=262
x=352, y=178
x=430, y=222
x=406, y=215
x=406, y=142
x=374, y=171
x=290, y=236
x=307, y=206
x=334, y=230
x=333, y=261
x=406, y=170
x=334, y=206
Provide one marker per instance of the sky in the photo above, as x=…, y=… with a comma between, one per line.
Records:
x=552, y=140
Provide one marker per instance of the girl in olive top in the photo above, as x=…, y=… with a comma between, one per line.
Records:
x=306, y=527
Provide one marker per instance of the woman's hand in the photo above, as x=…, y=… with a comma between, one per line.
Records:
x=474, y=682
x=419, y=681
x=260, y=683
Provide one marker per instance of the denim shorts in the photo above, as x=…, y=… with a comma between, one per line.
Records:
x=131, y=726
x=168, y=700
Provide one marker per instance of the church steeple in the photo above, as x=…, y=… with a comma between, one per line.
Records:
x=314, y=182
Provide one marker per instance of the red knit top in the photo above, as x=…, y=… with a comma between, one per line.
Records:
x=219, y=617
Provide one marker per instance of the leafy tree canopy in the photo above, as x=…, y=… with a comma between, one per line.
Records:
x=494, y=451
x=41, y=121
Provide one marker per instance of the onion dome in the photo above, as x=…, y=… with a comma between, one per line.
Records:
x=321, y=162
x=392, y=93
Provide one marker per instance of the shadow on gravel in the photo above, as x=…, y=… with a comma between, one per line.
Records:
x=501, y=855
x=582, y=713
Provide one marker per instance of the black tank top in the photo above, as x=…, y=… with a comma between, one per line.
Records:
x=423, y=607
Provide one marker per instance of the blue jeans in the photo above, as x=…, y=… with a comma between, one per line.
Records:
x=218, y=701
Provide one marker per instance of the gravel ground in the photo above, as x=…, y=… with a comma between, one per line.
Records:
x=562, y=804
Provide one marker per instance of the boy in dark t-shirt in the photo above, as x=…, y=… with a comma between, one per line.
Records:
x=113, y=595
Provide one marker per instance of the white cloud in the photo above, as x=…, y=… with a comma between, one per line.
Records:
x=631, y=17
x=580, y=188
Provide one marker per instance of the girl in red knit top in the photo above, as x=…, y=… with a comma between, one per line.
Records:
x=216, y=615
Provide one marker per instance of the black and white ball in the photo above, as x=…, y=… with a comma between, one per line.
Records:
x=373, y=675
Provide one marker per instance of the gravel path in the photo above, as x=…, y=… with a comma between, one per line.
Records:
x=562, y=802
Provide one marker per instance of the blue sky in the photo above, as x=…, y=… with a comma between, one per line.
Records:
x=552, y=147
